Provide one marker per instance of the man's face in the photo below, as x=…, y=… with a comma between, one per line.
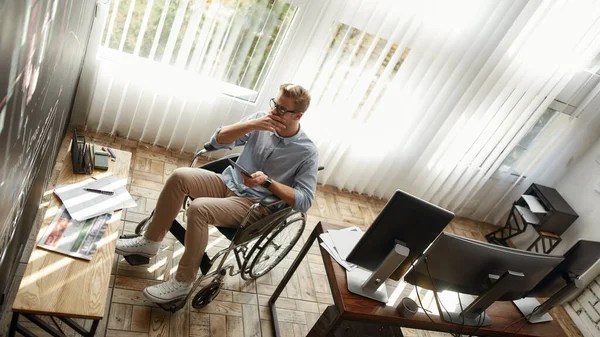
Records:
x=286, y=103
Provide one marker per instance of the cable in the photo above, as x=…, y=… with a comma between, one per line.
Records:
x=419, y=298
x=437, y=298
x=526, y=318
x=462, y=326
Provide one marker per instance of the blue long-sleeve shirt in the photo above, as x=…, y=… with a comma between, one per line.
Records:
x=292, y=161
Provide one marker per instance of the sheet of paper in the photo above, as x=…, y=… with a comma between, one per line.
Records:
x=528, y=215
x=344, y=241
x=83, y=205
x=337, y=258
x=534, y=204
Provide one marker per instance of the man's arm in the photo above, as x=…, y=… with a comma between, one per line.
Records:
x=300, y=196
x=230, y=133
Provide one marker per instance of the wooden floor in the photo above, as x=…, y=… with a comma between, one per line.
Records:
x=240, y=309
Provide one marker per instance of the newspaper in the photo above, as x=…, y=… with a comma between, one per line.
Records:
x=74, y=238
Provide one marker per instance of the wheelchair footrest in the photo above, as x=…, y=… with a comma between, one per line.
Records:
x=173, y=306
x=137, y=260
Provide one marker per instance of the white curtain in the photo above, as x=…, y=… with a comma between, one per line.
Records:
x=425, y=96
x=431, y=97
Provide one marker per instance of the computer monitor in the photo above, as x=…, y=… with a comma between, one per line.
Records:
x=401, y=232
x=494, y=273
x=561, y=282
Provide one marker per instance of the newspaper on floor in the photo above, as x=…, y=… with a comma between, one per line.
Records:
x=339, y=243
x=74, y=238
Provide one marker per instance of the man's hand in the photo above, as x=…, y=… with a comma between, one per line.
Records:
x=257, y=179
x=269, y=122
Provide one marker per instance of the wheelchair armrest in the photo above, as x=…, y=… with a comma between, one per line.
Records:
x=219, y=165
x=270, y=200
x=207, y=148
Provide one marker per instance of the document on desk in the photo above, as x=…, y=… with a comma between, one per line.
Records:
x=339, y=244
x=82, y=204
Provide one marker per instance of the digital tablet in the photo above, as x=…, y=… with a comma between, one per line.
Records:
x=236, y=165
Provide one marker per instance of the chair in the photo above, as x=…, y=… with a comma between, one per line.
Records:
x=257, y=246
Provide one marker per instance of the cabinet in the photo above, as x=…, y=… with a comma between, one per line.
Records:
x=558, y=215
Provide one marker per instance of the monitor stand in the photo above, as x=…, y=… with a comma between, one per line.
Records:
x=474, y=314
x=372, y=285
x=527, y=305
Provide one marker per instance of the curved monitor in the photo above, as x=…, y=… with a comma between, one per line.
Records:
x=405, y=218
x=463, y=265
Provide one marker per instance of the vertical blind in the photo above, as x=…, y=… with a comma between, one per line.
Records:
x=432, y=97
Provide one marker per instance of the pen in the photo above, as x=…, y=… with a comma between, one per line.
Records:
x=112, y=154
x=99, y=191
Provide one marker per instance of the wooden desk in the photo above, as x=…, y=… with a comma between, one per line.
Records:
x=350, y=309
x=66, y=287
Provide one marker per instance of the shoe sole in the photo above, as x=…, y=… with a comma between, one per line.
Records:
x=161, y=300
x=124, y=253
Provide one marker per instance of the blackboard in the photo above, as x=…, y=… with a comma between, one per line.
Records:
x=42, y=46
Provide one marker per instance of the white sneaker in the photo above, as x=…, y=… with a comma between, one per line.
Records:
x=137, y=246
x=167, y=291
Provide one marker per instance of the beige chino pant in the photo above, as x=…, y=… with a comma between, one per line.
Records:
x=213, y=204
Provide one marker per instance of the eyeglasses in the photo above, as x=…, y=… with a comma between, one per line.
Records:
x=279, y=108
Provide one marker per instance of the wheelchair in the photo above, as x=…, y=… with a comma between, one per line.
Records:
x=257, y=246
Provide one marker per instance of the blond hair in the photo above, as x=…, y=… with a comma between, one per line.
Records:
x=298, y=93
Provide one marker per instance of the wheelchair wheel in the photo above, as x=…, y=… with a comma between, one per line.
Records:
x=206, y=295
x=141, y=227
x=278, y=245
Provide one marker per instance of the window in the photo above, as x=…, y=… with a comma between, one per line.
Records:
x=356, y=61
x=514, y=163
x=233, y=41
x=550, y=124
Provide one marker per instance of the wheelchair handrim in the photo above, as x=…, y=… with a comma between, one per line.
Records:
x=260, y=268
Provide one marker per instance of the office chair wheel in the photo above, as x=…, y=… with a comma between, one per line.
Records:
x=206, y=295
x=278, y=245
x=173, y=306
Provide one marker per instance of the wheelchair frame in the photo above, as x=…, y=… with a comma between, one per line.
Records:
x=260, y=234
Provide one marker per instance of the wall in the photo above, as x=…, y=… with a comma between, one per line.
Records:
x=585, y=310
x=42, y=44
x=580, y=188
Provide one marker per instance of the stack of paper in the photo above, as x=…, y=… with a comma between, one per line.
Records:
x=339, y=244
x=531, y=214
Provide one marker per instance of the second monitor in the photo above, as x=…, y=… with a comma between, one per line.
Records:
x=494, y=273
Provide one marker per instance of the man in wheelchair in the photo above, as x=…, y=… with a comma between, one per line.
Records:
x=284, y=163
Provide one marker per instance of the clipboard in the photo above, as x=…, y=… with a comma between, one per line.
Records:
x=243, y=170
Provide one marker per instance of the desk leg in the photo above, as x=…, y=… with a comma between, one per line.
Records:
x=15, y=327
x=78, y=328
x=288, y=276
x=13, y=324
x=327, y=324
